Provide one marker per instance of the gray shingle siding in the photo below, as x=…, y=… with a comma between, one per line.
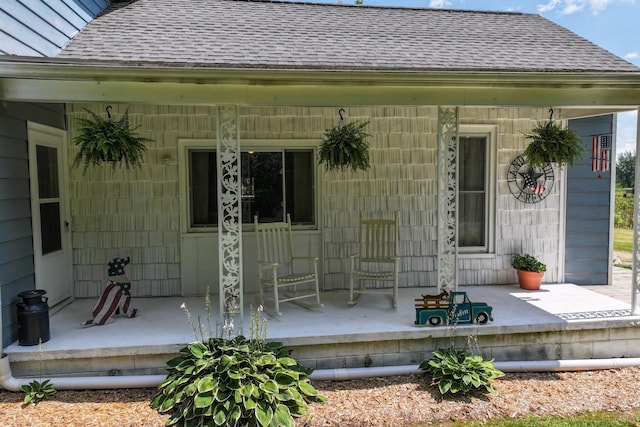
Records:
x=42, y=28
x=16, y=246
x=241, y=33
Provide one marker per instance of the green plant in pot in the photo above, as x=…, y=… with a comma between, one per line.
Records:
x=552, y=144
x=106, y=140
x=345, y=146
x=530, y=270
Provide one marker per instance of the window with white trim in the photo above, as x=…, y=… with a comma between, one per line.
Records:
x=476, y=183
x=274, y=182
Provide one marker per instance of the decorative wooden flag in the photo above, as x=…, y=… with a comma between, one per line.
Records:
x=600, y=152
x=531, y=181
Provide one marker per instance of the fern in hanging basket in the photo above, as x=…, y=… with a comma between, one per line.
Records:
x=552, y=144
x=107, y=140
x=345, y=146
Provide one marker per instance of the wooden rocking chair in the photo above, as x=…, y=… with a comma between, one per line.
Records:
x=276, y=268
x=378, y=258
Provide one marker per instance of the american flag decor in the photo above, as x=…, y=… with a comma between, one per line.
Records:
x=600, y=152
x=532, y=184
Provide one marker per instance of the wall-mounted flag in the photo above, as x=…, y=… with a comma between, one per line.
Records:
x=600, y=152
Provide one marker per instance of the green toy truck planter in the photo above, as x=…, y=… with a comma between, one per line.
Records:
x=447, y=309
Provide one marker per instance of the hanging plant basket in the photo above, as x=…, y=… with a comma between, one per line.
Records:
x=552, y=144
x=106, y=140
x=345, y=146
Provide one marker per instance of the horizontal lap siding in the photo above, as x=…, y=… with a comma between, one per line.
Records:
x=38, y=28
x=16, y=246
x=588, y=221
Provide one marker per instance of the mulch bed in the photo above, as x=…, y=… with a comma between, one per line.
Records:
x=387, y=401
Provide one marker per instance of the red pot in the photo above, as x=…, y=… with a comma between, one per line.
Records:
x=530, y=280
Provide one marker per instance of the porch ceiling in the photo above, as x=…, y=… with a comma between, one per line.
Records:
x=60, y=80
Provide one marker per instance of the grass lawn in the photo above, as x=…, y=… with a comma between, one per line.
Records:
x=623, y=240
x=595, y=419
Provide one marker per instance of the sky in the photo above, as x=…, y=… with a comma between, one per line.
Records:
x=611, y=24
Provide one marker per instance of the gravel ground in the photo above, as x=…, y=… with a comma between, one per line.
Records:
x=389, y=401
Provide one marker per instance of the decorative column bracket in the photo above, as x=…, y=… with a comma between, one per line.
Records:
x=447, y=262
x=229, y=220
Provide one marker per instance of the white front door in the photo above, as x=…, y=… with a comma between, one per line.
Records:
x=50, y=212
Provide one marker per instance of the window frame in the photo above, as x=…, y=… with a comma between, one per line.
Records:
x=490, y=132
x=187, y=144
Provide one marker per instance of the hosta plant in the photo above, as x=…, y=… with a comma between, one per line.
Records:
x=36, y=391
x=459, y=371
x=345, y=146
x=234, y=382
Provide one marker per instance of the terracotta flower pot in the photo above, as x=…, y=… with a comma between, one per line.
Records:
x=530, y=280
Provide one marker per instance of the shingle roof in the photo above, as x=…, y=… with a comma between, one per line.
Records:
x=282, y=35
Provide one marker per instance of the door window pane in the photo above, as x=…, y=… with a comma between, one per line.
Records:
x=50, y=227
x=47, y=158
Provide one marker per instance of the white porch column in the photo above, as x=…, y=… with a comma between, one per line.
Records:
x=635, y=285
x=447, y=260
x=229, y=220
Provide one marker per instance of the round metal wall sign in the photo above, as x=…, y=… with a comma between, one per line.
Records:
x=527, y=184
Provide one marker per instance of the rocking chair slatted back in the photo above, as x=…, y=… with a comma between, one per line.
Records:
x=378, y=239
x=274, y=242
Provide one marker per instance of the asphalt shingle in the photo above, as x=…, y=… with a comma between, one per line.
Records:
x=279, y=35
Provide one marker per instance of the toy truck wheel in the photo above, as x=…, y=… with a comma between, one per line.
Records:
x=482, y=318
x=434, y=320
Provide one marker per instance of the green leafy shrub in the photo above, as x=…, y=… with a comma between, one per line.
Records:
x=458, y=371
x=37, y=391
x=623, y=217
x=527, y=262
x=345, y=146
x=105, y=140
x=236, y=382
x=551, y=143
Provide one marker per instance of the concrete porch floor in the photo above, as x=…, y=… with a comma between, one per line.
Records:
x=558, y=321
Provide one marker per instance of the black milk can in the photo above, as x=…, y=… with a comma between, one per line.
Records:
x=33, y=317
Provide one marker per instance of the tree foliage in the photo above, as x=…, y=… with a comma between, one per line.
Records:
x=626, y=170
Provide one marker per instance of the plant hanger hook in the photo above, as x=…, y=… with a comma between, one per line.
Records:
x=341, y=123
x=550, y=114
x=108, y=110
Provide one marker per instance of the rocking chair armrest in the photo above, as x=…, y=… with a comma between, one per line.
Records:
x=311, y=258
x=268, y=265
x=353, y=261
